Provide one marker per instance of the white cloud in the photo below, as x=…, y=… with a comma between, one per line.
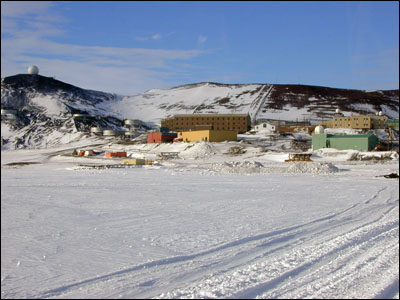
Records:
x=86, y=65
x=155, y=36
x=21, y=8
x=28, y=18
x=112, y=69
x=201, y=39
x=34, y=46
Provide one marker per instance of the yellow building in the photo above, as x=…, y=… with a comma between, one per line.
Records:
x=358, y=122
x=237, y=122
x=208, y=136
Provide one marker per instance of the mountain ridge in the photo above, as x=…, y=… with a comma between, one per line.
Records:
x=46, y=106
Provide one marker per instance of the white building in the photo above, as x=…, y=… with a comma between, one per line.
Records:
x=266, y=127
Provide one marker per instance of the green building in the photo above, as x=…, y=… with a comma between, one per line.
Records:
x=393, y=124
x=362, y=142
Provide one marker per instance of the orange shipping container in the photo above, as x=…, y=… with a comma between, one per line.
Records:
x=115, y=154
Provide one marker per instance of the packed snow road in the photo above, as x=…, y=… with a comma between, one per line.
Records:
x=168, y=232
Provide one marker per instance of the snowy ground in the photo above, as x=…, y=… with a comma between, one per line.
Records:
x=209, y=224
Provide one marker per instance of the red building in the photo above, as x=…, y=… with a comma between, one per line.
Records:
x=160, y=137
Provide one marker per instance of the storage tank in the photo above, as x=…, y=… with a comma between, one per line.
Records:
x=9, y=114
x=129, y=122
x=109, y=132
x=80, y=115
x=8, y=111
x=96, y=130
x=133, y=123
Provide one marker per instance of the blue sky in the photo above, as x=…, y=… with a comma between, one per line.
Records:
x=129, y=47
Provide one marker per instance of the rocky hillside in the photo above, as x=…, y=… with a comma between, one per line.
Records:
x=322, y=101
x=42, y=111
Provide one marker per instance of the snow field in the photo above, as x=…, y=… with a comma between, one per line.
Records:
x=173, y=231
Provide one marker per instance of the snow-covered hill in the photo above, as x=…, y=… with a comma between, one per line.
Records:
x=44, y=109
x=45, y=106
x=261, y=101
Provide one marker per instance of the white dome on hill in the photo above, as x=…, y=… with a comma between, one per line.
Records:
x=33, y=70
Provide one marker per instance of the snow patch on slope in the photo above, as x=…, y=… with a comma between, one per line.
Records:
x=52, y=105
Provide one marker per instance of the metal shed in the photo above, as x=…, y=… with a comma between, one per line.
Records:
x=362, y=142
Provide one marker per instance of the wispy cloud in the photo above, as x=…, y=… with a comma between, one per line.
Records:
x=156, y=36
x=27, y=39
x=201, y=39
x=78, y=63
x=23, y=8
x=382, y=62
x=153, y=37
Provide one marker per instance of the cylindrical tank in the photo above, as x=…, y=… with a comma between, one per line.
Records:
x=8, y=111
x=133, y=123
x=109, y=132
x=80, y=115
x=96, y=130
x=129, y=122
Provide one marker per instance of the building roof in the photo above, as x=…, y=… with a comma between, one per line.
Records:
x=356, y=116
x=209, y=115
x=208, y=130
x=350, y=136
x=162, y=133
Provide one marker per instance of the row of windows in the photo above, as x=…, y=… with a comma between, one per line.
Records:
x=340, y=122
x=203, y=123
x=210, y=118
x=348, y=119
x=193, y=124
x=348, y=124
x=217, y=128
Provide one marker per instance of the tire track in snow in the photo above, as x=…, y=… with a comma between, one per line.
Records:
x=290, y=233
x=344, y=272
x=278, y=274
x=365, y=234
x=227, y=257
x=340, y=265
